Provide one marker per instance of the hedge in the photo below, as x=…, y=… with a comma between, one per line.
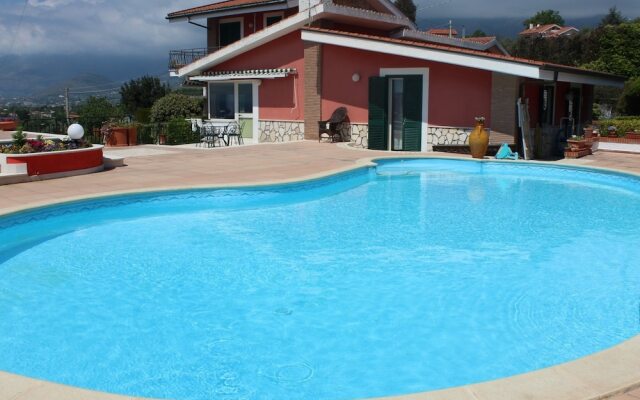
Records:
x=622, y=124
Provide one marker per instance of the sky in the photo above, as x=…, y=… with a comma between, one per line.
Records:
x=125, y=27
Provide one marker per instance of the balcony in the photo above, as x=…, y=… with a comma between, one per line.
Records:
x=180, y=58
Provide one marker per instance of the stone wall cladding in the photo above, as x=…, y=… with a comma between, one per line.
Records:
x=359, y=134
x=445, y=135
x=312, y=88
x=280, y=131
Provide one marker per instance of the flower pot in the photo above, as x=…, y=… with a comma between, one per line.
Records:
x=119, y=137
x=133, y=136
x=479, y=140
x=162, y=139
x=588, y=132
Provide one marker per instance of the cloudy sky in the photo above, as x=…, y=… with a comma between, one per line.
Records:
x=131, y=26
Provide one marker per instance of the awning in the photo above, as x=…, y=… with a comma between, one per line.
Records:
x=244, y=74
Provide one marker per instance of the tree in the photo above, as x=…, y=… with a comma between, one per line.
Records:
x=478, y=33
x=408, y=8
x=545, y=17
x=141, y=93
x=614, y=17
x=174, y=106
x=95, y=111
x=629, y=103
x=617, y=50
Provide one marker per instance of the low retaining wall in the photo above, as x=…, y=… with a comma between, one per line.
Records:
x=622, y=145
x=54, y=162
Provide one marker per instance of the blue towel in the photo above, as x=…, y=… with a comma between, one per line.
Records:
x=505, y=153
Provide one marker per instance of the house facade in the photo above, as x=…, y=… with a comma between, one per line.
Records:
x=281, y=66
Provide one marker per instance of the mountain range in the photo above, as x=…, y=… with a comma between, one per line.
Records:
x=42, y=79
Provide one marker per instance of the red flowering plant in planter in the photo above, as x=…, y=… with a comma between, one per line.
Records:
x=22, y=145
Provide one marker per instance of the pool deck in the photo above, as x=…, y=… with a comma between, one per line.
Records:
x=611, y=374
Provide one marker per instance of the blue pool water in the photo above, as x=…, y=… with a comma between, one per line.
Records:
x=412, y=276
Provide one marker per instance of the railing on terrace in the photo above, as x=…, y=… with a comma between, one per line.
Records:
x=180, y=58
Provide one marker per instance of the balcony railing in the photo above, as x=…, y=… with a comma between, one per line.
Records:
x=180, y=58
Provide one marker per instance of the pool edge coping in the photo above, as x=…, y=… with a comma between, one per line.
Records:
x=594, y=377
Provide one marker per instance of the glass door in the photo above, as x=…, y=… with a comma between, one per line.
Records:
x=396, y=113
x=245, y=109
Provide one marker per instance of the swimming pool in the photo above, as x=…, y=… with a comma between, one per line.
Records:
x=412, y=276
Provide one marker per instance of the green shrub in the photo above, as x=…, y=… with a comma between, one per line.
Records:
x=622, y=124
x=174, y=106
x=19, y=137
x=179, y=132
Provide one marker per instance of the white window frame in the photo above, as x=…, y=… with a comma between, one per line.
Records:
x=237, y=115
x=271, y=14
x=231, y=20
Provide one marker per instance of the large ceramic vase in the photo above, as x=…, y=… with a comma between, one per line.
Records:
x=479, y=140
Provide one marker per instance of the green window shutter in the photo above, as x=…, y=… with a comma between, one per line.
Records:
x=412, y=129
x=378, y=99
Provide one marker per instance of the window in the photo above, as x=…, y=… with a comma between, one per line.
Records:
x=221, y=101
x=229, y=31
x=272, y=18
x=245, y=98
x=228, y=99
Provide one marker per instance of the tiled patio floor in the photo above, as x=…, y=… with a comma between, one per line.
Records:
x=167, y=167
x=151, y=167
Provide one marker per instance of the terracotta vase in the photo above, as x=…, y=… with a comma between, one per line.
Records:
x=479, y=140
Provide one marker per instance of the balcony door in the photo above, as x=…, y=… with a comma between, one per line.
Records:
x=229, y=31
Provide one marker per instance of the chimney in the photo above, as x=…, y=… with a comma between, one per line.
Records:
x=530, y=26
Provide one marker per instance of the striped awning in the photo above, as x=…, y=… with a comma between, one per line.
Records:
x=244, y=74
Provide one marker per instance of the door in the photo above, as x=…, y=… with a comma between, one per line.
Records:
x=395, y=113
x=245, y=109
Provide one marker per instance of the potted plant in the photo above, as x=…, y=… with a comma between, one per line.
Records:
x=114, y=134
x=576, y=143
x=588, y=131
x=132, y=133
x=612, y=132
x=634, y=135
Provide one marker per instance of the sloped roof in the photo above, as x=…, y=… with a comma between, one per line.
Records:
x=480, y=39
x=460, y=50
x=551, y=29
x=442, y=31
x=223, y=5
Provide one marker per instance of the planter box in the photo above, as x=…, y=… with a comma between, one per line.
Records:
x=8, y=125
x=119, y=137
x=577, y=154
x=55, y=162
x=629, y=139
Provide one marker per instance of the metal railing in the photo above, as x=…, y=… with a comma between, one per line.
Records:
x=180, y=58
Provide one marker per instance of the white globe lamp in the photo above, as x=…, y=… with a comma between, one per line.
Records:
x=75, y=131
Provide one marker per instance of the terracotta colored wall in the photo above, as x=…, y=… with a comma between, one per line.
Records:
x=50, y=163
x=280, y=98
x=456, y=94
x=252, y=22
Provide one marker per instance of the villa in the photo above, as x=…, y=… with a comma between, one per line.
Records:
x=281, y=66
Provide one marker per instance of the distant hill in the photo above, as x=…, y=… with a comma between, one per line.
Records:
x=40, y=78
x=501, y=27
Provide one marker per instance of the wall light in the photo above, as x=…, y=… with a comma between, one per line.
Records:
x=355, y=77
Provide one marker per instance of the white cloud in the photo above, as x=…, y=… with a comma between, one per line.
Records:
x=95, y=26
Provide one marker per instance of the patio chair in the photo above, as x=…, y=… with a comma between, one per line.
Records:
x=234, y=131
x=212, y=134
x=331, y=129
